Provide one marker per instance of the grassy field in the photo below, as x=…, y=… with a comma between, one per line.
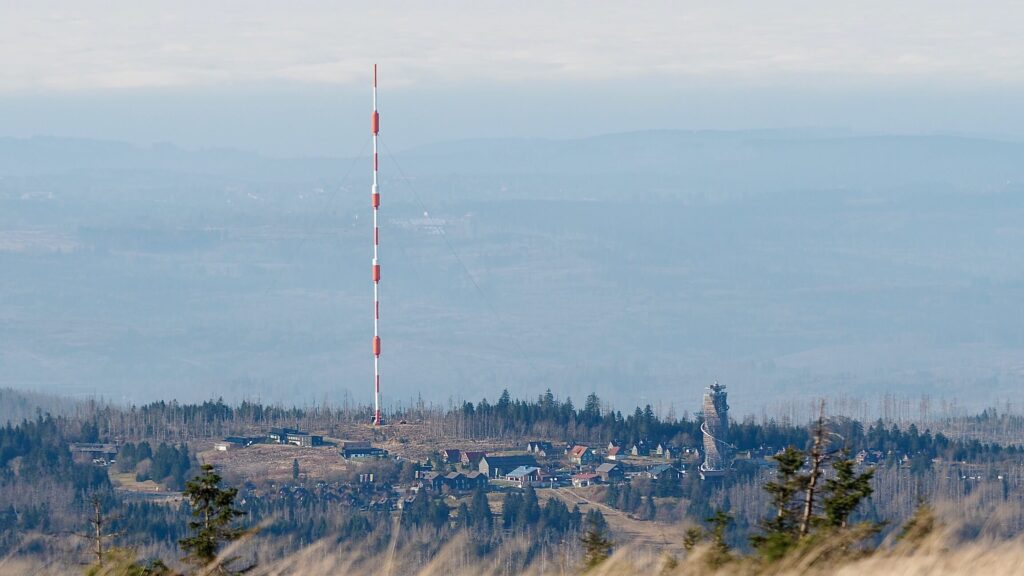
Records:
x=126, y=481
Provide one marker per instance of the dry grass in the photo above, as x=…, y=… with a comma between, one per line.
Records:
x=931, y=558
x=411, y=552
x=126, y=481
x=273, y=462
x=665, y=537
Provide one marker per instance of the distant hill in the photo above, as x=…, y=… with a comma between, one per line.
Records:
x=767, y=160
x=711, y=160
x=49, y=155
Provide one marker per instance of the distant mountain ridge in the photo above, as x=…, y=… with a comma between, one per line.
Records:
x=721, y=160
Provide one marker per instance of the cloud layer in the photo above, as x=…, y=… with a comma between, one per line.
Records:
x=60, y=47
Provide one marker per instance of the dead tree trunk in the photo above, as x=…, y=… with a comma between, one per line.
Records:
x=817, y=457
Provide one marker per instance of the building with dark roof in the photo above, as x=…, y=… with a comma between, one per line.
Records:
x=280, y=435
x=540, y=448
x=611, y=472
x=361, y=450
x=663, y=470
x=496, y=466
x=305, y=440
x=85, y=452
x=471, y=458
x=432, y=480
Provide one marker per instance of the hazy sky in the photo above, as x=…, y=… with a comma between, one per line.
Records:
x=291, y=78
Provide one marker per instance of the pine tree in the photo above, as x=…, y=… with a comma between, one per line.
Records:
x=126, y=458
x=845, y=492
x=650, y=510
x=611, y=495
x=295, y=469
x=720, y=552
x=691, y=537
x=781, y=531
x=575, y=518
x=480, y=511
x=214, y=513
x=511, y=509
x=596, y=544
x=530, y=507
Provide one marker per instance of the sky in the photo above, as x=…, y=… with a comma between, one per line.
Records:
x=292, y=78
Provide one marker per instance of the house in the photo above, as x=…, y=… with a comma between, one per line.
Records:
x=361, y=450
x=540, y=448
x=455, y=481
x=293, y=436
x=462, y=481
x=280, y=435
x=690, y=455
x=614, y=453
x=866, y=457
x=381, y=503
x=524, y=476
x=471, y=459
x=667, y=451
x=611, y=472
x=305, y=440
x=496, y=466
x=432, y=480
x=640, y=448
x=242, y=441
x=96, y=453
x=581, y=455
x=663, y=470
x=475, y=480
x=451, y=456
x=585, y=479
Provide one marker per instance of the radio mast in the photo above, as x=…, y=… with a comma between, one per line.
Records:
x=375, y=197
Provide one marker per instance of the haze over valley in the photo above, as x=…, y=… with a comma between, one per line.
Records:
x=639, y=265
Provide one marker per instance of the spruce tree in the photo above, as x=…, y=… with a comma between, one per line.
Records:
x=596, y=544
x=781, y=530
x=214, y=514
x=845, y=492
x=720, y=552
x=530, y=507
x=480, y=511
x=650, y=510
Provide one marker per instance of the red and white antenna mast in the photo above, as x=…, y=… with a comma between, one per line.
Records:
x=375, y=196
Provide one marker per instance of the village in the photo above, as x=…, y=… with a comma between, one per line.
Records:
x=538, y=463
x=285, y=456
x=391, y=475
